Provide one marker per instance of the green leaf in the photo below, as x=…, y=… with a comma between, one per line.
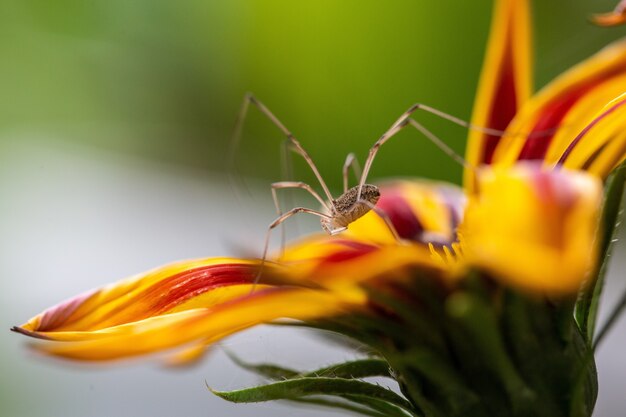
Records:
x=356, y=391
x=585, y=390
x=377, y=408
x=360, y=368
x=267, y=370
x=324, y=402
x=589, y=299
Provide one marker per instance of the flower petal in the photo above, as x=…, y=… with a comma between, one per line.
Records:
x=505, y=82
x=614, y=18
x=421, y=211
x=534, y=228
x=175, y=287
x=547, y=124
x=197, y=325
x=601, y=145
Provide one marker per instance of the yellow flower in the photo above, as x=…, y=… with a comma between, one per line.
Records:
x=527, y=225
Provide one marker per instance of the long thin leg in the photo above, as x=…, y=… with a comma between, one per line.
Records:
x=351, y=162
x=277, y=222
x=448, y=117
x=286, y=175
x=295, y=144
x=298, y=184
x=288, y=185
x=385, y=218
x=403, y=120
x=395, y=128
x=440, y=144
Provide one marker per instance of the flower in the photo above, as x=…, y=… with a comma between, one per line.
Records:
x=511, y=251
x=614, y=18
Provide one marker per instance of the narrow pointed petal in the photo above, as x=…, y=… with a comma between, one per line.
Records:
x=614, y=18
x=601, y=145
x=187, y=304
x=198, y=325
x=505, y=82
x=533, y=228
x=175, y=287
x=548, y=124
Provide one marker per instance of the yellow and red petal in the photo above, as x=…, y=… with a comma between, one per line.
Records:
x=534, y=228
x=201, y=325
x=423, y=213
x=176, y=287
x=548, y=124
x=187, y=304
x=601, y=145
x=614, y=18
x=505, y=83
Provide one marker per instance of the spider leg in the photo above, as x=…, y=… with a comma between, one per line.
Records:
x=385, y=218
x=280, y=219
x=351, y=162
x=290, y=185
x=406, y=119
x=294, y=144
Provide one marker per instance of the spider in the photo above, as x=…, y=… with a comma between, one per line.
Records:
x=338, y=213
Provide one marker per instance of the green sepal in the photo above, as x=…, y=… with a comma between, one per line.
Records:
x=267, y=370
x=360, y=368
x=550, y=353
x=356, y=391
x=589, y=299
x=343, y=405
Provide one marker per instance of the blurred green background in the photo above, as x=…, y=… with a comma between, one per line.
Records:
x=164, y=79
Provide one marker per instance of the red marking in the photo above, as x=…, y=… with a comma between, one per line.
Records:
x=503, y=107
x=401, y=214
x=354, y=250
x=185, y=285
x=587, y=128
x=59, y=314
x=555, y=188
x=552, y=115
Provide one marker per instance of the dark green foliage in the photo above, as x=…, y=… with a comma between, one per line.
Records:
x=587, y=306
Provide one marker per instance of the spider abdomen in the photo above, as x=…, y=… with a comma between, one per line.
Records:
x=349, y=207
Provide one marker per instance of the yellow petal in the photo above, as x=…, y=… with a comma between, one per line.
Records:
x=505, y=82
x=534, y=228
x=175, y=287
x=421, y=211
x=600, y=146
x=208, y=325
x=552, y=119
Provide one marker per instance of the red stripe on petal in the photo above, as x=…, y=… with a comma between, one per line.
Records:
x=353, y=250
x=57, y=315
x=504, y=107
x=587, y=128
x=551, y=117
x=401, y=214
x=181, y=287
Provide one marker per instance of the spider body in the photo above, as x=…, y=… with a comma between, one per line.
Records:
x=349, y=207
x=338, y=213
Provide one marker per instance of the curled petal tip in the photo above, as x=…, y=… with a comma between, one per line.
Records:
x=26, y=332
x=614, y=18
x=609, y=19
